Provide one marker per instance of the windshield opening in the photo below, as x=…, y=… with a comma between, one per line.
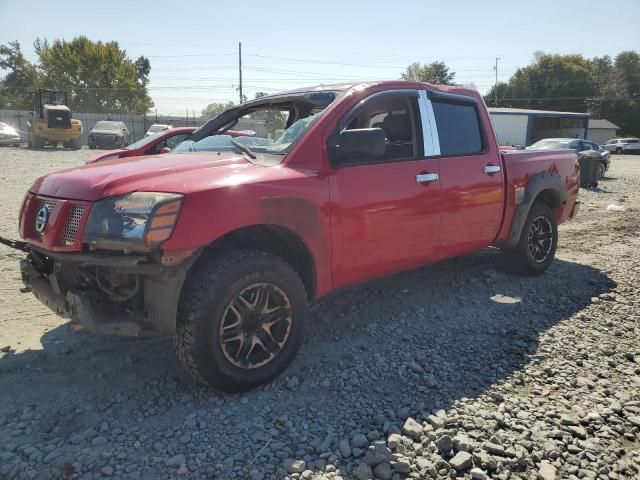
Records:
x=269, y=128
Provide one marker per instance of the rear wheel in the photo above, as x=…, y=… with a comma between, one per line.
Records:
x=536, y=248
x=241, y=319
x=74, y=144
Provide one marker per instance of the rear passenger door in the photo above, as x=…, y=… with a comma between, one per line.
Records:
x=471, y=175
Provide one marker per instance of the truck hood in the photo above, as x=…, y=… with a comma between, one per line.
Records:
x=174, y=173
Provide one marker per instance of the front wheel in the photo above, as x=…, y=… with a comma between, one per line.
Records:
x=600, y=170
x=536, y=248
x=618, y=150
x=241, y=319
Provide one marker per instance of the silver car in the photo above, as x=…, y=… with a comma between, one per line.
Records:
x=9, y=135
x=623, y=145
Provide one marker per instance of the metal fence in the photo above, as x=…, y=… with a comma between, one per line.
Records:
x=135, y=123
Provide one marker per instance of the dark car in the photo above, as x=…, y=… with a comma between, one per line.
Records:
x=577, y=144
x=109, y=134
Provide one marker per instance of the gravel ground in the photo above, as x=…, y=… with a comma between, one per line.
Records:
x=455, y=370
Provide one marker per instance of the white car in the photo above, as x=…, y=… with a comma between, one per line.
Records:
x=9, y=135
x=157, y=127
x=623, y=145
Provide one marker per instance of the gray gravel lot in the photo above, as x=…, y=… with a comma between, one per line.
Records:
x=457, y=370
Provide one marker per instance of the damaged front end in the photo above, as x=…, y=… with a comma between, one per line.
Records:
x=101, y=263
x=110, y=294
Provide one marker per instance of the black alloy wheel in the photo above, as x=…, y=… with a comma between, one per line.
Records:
x=540, y=239
x=255, y=326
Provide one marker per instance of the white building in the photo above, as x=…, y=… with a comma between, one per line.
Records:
x=601, y=130
x=518, y=126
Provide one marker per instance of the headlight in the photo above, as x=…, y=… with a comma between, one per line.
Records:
x=138, y=221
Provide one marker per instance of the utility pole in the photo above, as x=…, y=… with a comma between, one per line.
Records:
x=240, y=67
x=495, y=88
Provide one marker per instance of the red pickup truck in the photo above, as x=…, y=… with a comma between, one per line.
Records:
x=224, y=244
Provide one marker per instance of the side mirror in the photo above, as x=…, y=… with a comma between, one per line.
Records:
x=360, y=143
x=165, y=150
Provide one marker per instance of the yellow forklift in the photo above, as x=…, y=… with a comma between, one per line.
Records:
x=51, y=122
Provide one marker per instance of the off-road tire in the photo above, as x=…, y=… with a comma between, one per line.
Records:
x=37, y=142
x=210, y=287
x=519, y=259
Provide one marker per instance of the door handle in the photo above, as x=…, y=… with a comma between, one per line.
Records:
x=427, y=177
x=491, y=169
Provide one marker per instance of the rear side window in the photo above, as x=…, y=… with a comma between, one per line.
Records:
x=458, y=128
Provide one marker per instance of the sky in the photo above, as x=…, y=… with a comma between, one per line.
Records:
x=193, y=46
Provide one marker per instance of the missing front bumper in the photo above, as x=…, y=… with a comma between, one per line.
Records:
x=152, y=312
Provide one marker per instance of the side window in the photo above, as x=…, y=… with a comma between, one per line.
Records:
x=398, y=116
x=575, y=145
x=156, y=149
x=459, y=129
x=171, y=142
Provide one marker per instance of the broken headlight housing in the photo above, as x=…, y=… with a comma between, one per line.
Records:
x=137, y=221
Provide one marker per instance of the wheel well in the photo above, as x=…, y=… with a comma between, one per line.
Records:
x=278, y=241
x=551, y=197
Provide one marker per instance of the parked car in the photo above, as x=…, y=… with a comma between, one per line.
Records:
x=109, y=134
x=174, y=139
x=9, y=135
x=578, y=145
x=160, y=142
x=157, y=127
x=623, y=145
x=224, y=249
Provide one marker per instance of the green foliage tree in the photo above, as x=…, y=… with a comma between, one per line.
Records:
x=435, y=72
x=605, y=88
x=214, y=109
x=99, y=77
x=552, y=82
x=22, y=79
x=619, y=99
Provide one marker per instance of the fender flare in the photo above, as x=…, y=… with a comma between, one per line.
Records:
x=537, y=184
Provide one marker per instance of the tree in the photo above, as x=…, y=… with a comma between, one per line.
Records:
x=99, y=77
x=214, y=109
x=619, y=99
x=23, y=78
x=435, y=72
x=552, y=82
x=604, y=88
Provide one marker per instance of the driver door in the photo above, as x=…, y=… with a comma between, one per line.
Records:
x=385, y=212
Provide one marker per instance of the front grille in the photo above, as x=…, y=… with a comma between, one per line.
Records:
x=50, y=204
x=58, y=119
x=63, y=224
x=71, y=225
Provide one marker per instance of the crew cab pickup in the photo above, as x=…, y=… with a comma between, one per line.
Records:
x=224, y=243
